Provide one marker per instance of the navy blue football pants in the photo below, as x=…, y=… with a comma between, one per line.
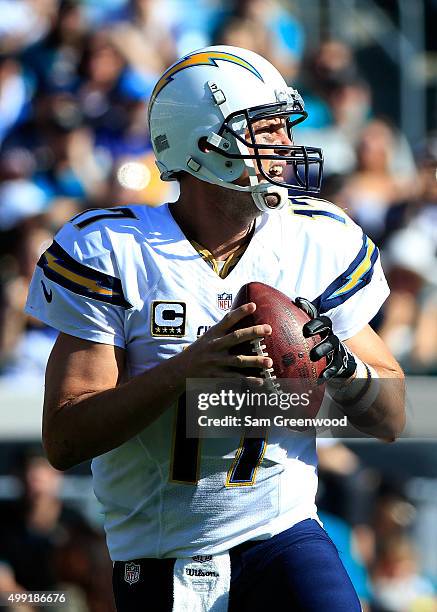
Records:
x=298, y=570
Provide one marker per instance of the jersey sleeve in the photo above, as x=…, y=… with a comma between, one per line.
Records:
x=359, y=289
x=76, y=288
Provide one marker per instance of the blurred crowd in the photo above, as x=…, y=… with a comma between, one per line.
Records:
x=46, y=545
x=75, y=77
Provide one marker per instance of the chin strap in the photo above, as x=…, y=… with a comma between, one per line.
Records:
x=259, y=191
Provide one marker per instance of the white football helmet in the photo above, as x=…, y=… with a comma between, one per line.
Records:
x=201, y=116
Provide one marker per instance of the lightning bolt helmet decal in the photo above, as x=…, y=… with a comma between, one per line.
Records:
x=202, y=58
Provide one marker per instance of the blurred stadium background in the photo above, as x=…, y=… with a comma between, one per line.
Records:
x=74, y=77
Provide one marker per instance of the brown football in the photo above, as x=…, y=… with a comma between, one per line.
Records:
x=286, y=346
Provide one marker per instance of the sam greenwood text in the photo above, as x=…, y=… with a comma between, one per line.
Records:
x=276, y=421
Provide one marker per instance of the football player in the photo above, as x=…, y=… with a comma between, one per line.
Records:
x=218, y=524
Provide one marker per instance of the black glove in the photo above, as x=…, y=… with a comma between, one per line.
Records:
x=341, y=362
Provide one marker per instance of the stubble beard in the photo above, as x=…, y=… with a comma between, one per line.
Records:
x=241, y=207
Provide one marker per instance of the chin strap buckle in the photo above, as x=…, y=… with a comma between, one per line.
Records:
x=218, y=142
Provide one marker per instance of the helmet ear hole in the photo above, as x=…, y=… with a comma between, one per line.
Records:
x=203, y=145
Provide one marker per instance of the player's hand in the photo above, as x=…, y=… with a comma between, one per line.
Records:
x=210, y=355
x=341, y=362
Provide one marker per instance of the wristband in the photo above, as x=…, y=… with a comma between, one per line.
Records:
x=357, y=395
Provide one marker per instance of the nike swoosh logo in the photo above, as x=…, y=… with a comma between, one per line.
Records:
x=47, y=294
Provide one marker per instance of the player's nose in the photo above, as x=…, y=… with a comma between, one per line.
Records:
x=283, y=139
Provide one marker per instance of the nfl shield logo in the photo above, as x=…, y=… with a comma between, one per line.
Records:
x=131, y=572
x=224, y=301
x=202, y=558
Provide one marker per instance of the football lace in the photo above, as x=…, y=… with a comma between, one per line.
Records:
x=268, y=373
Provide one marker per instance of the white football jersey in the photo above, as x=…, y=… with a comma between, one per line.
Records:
x=129, y=277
